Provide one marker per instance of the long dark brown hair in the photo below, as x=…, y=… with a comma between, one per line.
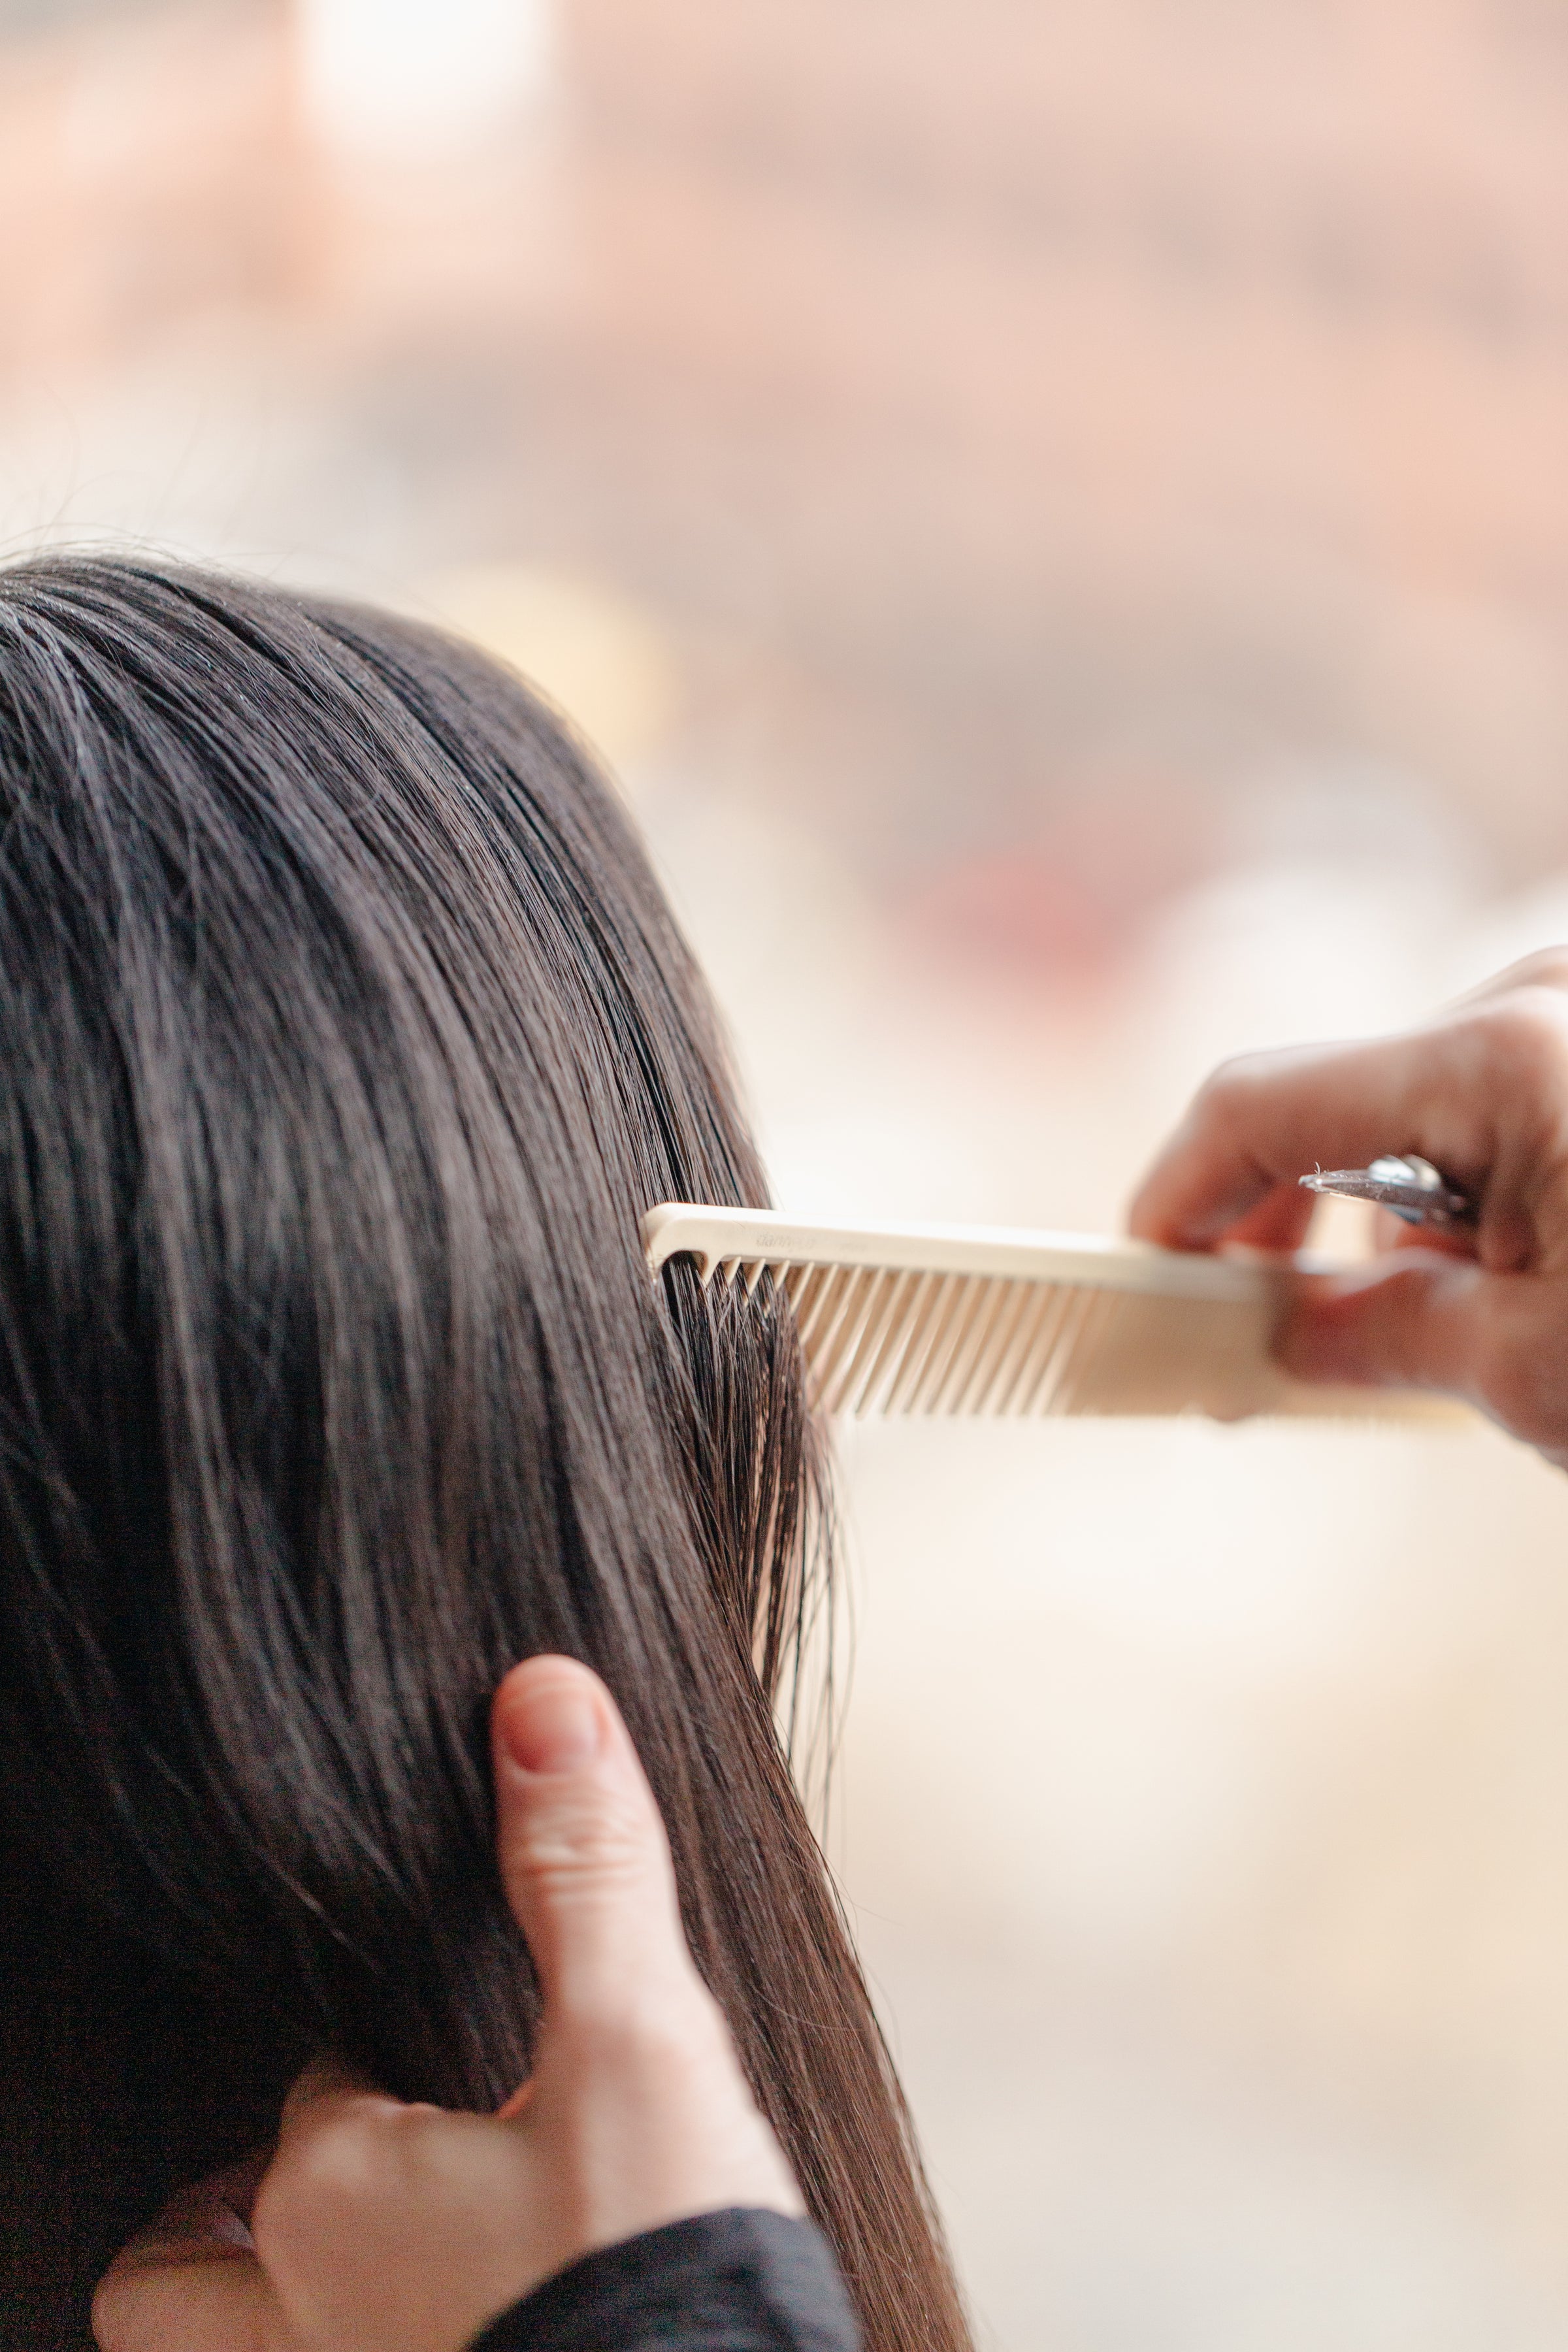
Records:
x=344, y=1037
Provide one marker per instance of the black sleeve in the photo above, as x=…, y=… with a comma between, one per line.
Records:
x=742, y=2280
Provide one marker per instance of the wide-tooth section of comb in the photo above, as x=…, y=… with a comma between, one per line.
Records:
x=959, y=1320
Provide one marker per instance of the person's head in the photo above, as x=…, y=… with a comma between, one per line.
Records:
x=345, y=1038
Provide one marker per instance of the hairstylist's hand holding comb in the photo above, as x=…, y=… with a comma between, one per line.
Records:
x=1477, y=1310
x=382, y=2228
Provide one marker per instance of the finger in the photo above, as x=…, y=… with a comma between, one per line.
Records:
x=582, y=1849
x=632, y=2045
x=1414, y=1321
x=1545, y=968
x=199, y=2303
x=1260, y=1124
x=1277, y=1221
x=521, y=2099
x=333, y=2114
x=190, y=2282
x=1483, y=1095
x=1238, y=1148
x=1391, y=1234
x=328, y=2087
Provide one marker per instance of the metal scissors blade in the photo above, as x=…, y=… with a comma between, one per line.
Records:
x=1410, y=1186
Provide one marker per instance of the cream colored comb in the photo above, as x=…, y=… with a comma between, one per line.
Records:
x=971, y=1319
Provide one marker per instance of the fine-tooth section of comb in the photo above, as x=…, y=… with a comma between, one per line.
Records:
x=972, y=1320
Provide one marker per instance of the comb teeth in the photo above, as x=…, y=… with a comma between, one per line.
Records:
x=888, y=1341
x=951, y=1321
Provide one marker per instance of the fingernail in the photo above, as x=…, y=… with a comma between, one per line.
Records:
x=552, y=1728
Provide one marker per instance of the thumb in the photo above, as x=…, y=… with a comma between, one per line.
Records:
x=1409, y=1321
x=582, y=1850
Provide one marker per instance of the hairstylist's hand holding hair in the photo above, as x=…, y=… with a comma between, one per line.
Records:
x=1483, y=1093
x=382, y=2228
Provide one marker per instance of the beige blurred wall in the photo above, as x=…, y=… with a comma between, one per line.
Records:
x=1180, y=369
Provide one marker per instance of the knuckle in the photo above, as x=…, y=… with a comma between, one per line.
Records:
x=594, y=1838
x=343, y=2167
x=114, y=2313
x=1227, y=1078
x=1526, y=1034
x=1545, y=968
x=1245, y=1075
x=1231, y=1085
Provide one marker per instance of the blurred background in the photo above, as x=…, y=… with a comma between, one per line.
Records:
x=1056, y=511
